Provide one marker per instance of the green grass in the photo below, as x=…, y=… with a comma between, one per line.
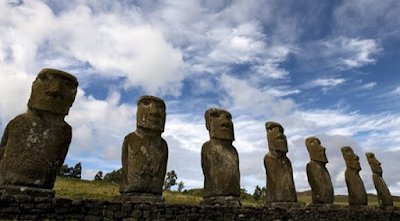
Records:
x=73, y=188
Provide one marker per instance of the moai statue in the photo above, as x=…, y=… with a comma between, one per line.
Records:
x=384, y=197
x=145, y=154
x=35, y=143
x=220, y=161
x=317, y=174
x=280, y=184
x=355, y=186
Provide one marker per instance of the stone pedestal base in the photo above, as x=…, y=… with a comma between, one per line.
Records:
x=388, y=208
x=11, y=190
x=324, y=206
x=153, y=199
x=283, y=205
x=233, y=201
x=359, y=207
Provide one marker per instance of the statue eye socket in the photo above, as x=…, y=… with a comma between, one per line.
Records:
x=45, y=77
x=145, y=102
x=214, y=114
x=68, y=81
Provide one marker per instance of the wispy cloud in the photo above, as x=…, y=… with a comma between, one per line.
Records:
x=370, y=85
x=348, y=53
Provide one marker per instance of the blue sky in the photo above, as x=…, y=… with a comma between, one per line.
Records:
x=325, y=69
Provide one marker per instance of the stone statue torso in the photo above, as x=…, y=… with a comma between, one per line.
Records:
x=33, y=151
x=384, y=196
x=280, y=184
x=355, y=186
x=221, y=170
x=320, y=182
x=144, y=163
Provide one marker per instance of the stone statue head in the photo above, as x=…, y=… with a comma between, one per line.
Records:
x=276, y=138
x=374, y=163
x=316, y=150
x=53, y=91
x=219, y=124
x=351, y=159
x=150, y=113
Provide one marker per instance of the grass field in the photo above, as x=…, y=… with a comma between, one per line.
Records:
x=74, y=188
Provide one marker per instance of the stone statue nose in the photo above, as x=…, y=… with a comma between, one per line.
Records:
x=55, y=85
x=153, y=109
x=54, y=89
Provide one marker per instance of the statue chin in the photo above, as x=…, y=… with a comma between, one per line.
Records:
x=321, y=159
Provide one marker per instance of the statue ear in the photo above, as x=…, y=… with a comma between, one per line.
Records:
x=206, y=117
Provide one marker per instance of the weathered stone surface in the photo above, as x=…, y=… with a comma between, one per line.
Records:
x=221, y=201
x=280, y=184
x=13, y=190
x=317, y=174
x=355, y=186
x=34, y=144
x=384, y=196
x=144, y=151
x=11, y=209
x=139, y=198
x=220, y=160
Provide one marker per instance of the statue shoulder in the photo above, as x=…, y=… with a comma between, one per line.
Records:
x=132, y=135
x=206, y=146
x=164, y=143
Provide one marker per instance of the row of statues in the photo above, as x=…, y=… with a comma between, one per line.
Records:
x=35, y=144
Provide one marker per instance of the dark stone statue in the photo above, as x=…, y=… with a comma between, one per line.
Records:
x=355, y=186
x=384, y=196
x=280, y=184
x=318, y=175
x=220, y=161
x=35, y=143
x=145, y=154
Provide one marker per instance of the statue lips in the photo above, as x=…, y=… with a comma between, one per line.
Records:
x=226, y=126
x=357, y=162
x=281, y=138
x=54, y=95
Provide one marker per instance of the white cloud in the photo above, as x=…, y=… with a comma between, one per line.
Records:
x=370, y=85
x=348, y=53
x=397, y=90
x=249, y=99
x=367, y=17
x=100, y=126
x=327, y=82
x=114, y=45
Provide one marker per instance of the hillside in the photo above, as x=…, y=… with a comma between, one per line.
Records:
x=74, y=188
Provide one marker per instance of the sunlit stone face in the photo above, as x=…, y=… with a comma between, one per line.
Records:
x=316, y=150
x=276, y=138
x=53, y=91
x=219, y=123
x=351, y=159
x=151, y=113
x=374, y=163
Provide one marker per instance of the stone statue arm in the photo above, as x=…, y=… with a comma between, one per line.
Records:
x=265, y=163
x=124, y=162
x=3, y=143
x=205, y=162
x=64, y=149
x=312, y=181
x=165, y=151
